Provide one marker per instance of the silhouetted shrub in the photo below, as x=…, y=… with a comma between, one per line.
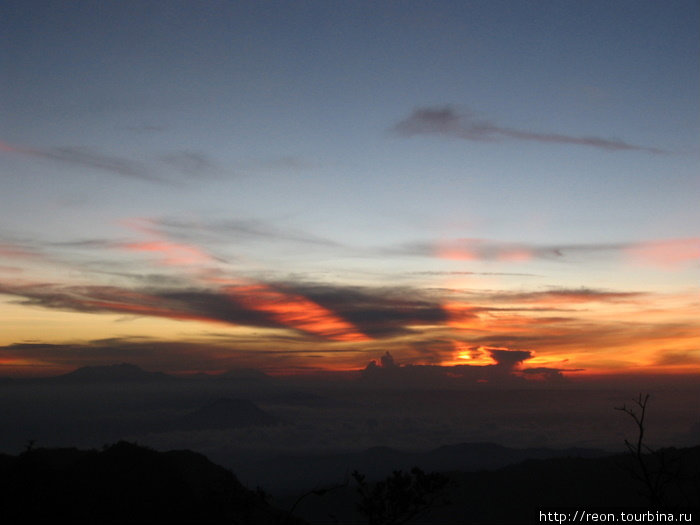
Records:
x=400, y=497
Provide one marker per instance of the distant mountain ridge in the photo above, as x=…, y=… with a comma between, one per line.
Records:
x=123, y=372
x=129, y=372
x=282, y=472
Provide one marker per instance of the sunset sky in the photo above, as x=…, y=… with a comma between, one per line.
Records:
x=303, y=186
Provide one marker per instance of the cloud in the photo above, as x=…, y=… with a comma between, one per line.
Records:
x=446, y=121
x=478, y=249
x=190, y=163
x=151, y=354
x=667, y=253
x=86, y=158
x=567, y=296
x=380, y=312
x=662, y=253
x=444, y=273
x=16, y=251
x=146, y=128
x=678, y=357
x=552, y=375
x=327, y=311
x=506, y=371
x=170, y=253
x=281, y=163
x=239, y=303
x=466, y=249
x=254, y=229
x=509, y=359
x=293, y=310
x=183, y=305
x=285, y=307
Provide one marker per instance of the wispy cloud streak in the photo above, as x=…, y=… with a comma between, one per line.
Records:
x=445, y=120
x=85, y=158
x=254, y=229
x=665, y=253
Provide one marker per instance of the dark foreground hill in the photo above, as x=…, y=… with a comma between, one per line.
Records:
x=126, y=484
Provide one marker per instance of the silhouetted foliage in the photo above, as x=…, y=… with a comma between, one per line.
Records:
x=400, y=497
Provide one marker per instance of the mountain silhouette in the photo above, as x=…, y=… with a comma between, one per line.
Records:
x=123, y=372
x=225, y=413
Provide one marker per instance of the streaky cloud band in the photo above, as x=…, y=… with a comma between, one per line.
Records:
x=445, y=120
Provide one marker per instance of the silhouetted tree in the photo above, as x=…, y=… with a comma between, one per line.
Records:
x=400, y=497
x=652, y=466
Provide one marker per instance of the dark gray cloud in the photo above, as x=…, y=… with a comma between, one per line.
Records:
x=510, y=358
x=378, y=313
x=174, y=304
x=447, y=121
